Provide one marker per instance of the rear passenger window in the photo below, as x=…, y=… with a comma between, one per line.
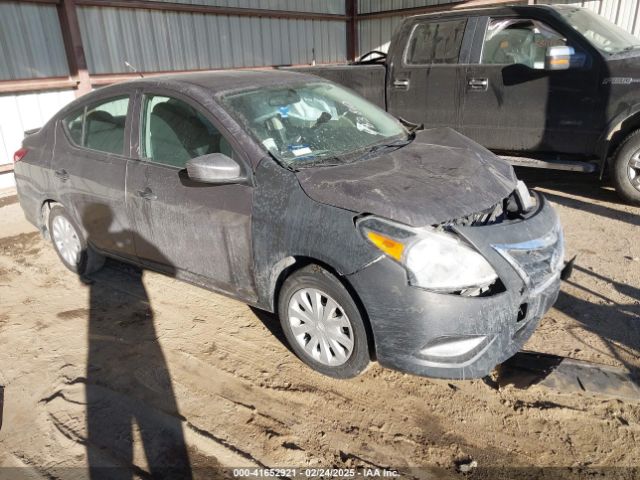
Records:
x=74, y=123
x=435, y=42
x=173, y=132
x=100, y=126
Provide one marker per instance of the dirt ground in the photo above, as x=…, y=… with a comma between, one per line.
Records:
x=144, y=372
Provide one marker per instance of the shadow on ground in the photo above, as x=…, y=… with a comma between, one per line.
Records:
x=616, y=324
x=129, y=391
x=587, y=186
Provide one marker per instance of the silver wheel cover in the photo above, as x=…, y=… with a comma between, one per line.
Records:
x=634, y=170
x=66, y=240
x=320, y=326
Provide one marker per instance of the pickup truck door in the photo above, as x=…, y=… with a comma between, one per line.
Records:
x=427, y=68
x=511, y=103
x=196, y=231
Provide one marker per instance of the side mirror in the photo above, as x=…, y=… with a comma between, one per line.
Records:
x=214, y=168
x=558, y=57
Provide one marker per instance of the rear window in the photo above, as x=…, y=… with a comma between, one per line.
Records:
x=74, y=124
x=435, y=42
x=100, y=126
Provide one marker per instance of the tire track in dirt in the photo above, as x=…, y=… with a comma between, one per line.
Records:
x=238, y=387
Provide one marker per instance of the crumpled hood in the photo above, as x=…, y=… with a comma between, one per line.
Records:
x=440, y=176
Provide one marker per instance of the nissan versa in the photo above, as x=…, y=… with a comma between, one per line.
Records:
x=370, y=239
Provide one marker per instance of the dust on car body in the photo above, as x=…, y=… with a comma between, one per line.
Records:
x=417, y=248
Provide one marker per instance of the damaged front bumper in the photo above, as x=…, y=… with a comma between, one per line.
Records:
x=458, y=337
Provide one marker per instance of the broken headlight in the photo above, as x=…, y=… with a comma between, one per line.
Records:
x=434, y=259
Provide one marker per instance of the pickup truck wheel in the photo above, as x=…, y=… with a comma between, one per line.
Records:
x=322, y=323
x=626, y=169
x=70, y=245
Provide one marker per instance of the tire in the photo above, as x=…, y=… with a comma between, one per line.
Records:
x=64, y=232
x=341, y=329
x=626, y=169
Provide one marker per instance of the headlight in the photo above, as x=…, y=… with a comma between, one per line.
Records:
x=435, y=260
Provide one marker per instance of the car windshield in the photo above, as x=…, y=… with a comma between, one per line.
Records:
x=313, y=123
x=604, y=35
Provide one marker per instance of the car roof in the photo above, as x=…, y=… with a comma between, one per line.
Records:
x=196, y=83
x=218, y=81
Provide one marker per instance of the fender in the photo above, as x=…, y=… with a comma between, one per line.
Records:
x=621, y=124
x=287, y=225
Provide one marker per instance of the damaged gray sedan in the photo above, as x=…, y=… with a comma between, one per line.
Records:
x=370, y=240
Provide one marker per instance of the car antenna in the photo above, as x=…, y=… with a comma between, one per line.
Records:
x=133, y=68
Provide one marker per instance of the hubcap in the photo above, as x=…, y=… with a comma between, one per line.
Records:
x=634, y=170
x=66, y=240
x=320, y=326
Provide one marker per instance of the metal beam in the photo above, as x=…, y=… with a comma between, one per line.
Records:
x=36, y=84
x=352, y=29
x=72, y=38
x=437, y=8
x=210, y=9
x=50, y=2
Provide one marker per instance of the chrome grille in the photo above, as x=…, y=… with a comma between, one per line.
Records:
x=537, y=261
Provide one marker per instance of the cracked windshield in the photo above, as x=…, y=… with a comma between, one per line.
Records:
x=315, y=124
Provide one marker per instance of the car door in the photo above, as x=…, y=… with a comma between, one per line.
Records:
x=512, y=103
x=89, y=163
x=197, y=231
x=426, y=72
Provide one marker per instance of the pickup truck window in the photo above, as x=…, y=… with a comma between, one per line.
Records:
x=604, y=35
x=435, y=42
x=313, y=123
x=522, y=41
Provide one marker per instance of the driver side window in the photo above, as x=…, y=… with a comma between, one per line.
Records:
x=173, y=132
x=510, y=41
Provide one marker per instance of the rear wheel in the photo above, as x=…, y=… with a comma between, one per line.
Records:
x=626, y=169
x=70, y=245
x=322, y=323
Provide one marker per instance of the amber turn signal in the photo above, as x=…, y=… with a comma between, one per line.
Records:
x=391, y=247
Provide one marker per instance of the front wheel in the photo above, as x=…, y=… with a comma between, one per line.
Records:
x=323, y=324
x=626, y=169
x=70, y=245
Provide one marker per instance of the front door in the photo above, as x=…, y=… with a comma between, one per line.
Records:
x=425, y=78
x=511, y=103
x=196, y=231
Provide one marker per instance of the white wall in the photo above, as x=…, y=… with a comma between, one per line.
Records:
x=20, y=112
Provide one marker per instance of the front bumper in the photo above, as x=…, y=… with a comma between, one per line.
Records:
x=406, y=321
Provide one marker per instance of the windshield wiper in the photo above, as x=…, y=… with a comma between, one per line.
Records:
x=395, y=145
x=320, y=162
x=410, y=126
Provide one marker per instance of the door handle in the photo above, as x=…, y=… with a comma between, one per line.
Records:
x=62, y=174
x=480, y=84
x=147, y=194
x=401, y=83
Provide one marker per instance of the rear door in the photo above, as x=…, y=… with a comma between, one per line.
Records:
x=511, y=103
x=426, y=72
x=197, y=231
x=89, y=165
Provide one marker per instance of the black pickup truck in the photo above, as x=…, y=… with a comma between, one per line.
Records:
x=543, y=86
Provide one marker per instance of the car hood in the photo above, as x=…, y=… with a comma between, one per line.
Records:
x=440, y=176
